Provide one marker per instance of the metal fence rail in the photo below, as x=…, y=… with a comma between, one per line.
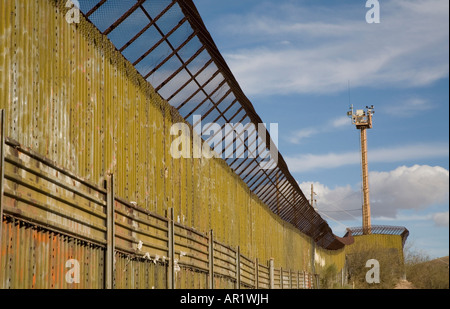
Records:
x=53, y=219
x=169, y=45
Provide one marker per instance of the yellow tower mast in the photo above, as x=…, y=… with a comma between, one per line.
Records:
x=363, y=121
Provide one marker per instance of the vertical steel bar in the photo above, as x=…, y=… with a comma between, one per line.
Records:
x=211, y=260
x=110, y=227
x=290, y=279
x=281, y=278
x=313, y=255
x=110, y=233
x=304, y=280
x=2, y=170
x=271, y=273
x=238, y=268
x=257, y=274
x=171, y=244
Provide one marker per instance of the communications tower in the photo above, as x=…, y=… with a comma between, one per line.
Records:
x=363, y=121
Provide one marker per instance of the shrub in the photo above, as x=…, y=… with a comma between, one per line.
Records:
x=391, y=267
x=328, y=277
x=425, y=273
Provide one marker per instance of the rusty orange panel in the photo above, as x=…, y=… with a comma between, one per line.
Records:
x=37, y=258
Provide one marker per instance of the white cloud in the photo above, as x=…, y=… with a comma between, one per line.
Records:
x=410, y=107
x=405, y=188
x=416, y=187
x=409, y=48
x=309, y=162
x=409, y=152
x=297, y=136
x=341, y=122
x=441, y=219
x=339, y=202
x=407, y=218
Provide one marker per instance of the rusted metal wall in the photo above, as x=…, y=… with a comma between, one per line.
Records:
x=35, y=258
x=72, y=98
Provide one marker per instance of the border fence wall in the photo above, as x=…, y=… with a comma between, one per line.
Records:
x=52, y=217
x=71, y=97
x=77, y=111
x=92, y=198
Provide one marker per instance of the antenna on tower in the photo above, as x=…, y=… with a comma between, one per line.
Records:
x=362, y=119
x=349, y=97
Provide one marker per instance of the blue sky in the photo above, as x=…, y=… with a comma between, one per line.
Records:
x=302, y=63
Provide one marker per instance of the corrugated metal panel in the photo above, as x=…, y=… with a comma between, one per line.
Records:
x=133, y=272
x=35, y=258
x=381, y=241
x=191, y=278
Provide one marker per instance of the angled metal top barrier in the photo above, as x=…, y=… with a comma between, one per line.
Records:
x=169, y=45
x=381, y=230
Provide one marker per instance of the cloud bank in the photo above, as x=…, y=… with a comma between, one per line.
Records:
x=406, y=188
x=319, y=49
x=441, y=219
x=401, y=153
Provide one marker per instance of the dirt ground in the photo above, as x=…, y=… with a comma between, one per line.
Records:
x=404, y=285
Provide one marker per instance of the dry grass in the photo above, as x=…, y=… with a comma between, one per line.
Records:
x=428, y=274
x=404, y=285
